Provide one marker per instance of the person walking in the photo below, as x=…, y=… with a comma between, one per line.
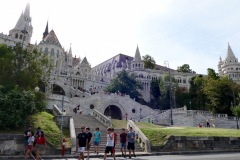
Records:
x=40, y=144
x=30, y=145
x=131, y=142
x=115, y=139
x=26, y=135
x=123, y=140
x=82, y=142
x=110, y=144
x=96, y=140
x=89, y=138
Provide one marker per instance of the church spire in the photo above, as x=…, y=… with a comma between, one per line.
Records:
x=137, y=55
x=27, y=10
x=45, y=33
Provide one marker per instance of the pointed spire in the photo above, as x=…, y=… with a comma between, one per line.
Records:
x=230, y=54
x=70, y=50
x=137, y=55
x=27, y=10
x=45, y=33
x=52, y=38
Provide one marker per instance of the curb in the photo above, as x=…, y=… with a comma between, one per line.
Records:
x=118, y=154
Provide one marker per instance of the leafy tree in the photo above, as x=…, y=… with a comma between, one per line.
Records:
x=16, y=105
x=185, y=68
x=212, y=74
x=149, y=62
x=155, y=93
x=21, y=71
x=125, y=84
x=23, y=67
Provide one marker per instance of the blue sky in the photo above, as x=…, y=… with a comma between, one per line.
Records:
x=194, y=32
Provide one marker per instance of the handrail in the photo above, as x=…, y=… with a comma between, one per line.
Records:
x=102, y=118
x=142, y=139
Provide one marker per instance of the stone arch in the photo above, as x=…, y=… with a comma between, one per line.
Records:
x=115, y=110
x=58, y=89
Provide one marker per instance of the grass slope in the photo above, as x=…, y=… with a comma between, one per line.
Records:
x=157, y=134
x=118, y=124
x=50, y=128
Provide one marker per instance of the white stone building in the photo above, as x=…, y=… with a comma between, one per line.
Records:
x=74, y=77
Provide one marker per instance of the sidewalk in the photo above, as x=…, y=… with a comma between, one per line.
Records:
x=119, y=154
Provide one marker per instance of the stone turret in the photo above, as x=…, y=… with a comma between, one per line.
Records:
x=137, y=63
x=23, y=28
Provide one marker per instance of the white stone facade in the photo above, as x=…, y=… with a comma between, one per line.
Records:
x=74, y=77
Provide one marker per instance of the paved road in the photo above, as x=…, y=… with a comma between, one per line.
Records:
x=225, y=156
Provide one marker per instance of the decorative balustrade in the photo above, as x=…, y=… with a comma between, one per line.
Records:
x=140, y=136
x=102, y=118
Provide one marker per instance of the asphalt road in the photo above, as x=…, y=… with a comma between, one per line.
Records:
x=224, y=156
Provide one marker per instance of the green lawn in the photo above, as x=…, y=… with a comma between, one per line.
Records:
x=157, y=134
x=118, y=124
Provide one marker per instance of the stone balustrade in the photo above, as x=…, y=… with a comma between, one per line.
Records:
x=102, y=118
x=72, y=136
x=140, y=136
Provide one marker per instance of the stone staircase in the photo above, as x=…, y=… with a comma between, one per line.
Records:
x=92, y=123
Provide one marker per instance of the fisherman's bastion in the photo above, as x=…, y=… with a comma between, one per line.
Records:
x=73, y=81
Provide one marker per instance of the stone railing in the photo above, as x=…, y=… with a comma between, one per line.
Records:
x=102, y=118
x=220, y=115
x=56, y=110
x=140, y=136
x=72, y=136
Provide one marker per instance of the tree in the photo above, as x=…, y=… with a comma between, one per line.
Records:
x=149, y=62
x=23, y=67
x=125, y=84
x=236, y=112
x=185, y=68
x=212, y=74
x=155, y=93
x=21, y=71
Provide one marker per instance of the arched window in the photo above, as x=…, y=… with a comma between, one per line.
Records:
x=52, y=52
x=46, y=50
x=20, y=36
x=16, y=35
x=184, y=80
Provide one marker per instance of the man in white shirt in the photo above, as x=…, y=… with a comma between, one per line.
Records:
x=110, y=144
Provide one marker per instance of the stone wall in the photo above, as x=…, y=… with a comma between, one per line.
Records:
x=182, y=143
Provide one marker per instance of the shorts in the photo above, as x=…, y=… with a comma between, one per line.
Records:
x=30, y=147
x=81, y=149
x=109, y=149
x=26, y=143
x=96, y=143
x=123, y=145
x=131, y=146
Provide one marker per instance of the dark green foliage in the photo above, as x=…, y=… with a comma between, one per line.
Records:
x=21, y=70
x=185, y=68
x=16, y=105
x=149, y=62
x=125, y=84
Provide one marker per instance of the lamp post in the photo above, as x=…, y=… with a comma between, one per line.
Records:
x=140, y=113
x=62, y=118
x=170, y=92
x=234, y=102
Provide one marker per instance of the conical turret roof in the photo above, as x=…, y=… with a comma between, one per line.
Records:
x=24, y=19
x=230, y=54
x=137, y=56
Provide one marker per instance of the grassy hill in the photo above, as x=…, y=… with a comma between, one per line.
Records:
x=50, y=128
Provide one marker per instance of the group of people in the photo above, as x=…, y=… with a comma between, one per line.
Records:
x=33, y=143
x=85, y=139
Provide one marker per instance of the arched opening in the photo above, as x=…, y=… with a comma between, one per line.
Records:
x=113, y=111
x=56, y=89
x=41, y=86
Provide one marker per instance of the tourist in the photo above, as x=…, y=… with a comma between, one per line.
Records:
x=30, y=142
x=38, y=130
x=26, y=135
x=208, y=124
x=114, y=138
x=89, y=138
x=110, y=144
x=82, y=141
x=123, y=140
x=131, y=142
x=96, y=140
x=40, y=144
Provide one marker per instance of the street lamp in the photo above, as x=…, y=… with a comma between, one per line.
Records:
x=140, y=113
x=62, y=119
x=166, y=63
